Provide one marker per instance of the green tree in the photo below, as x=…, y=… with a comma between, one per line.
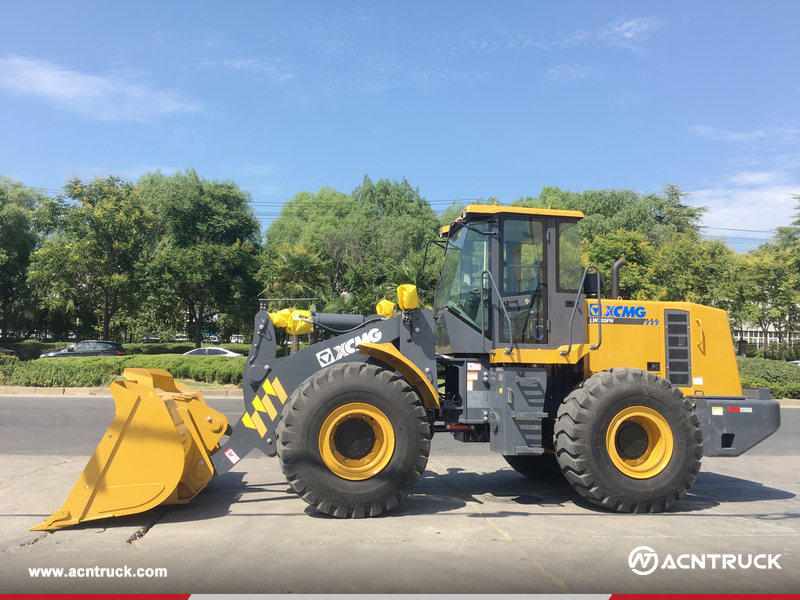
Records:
x=634, y=278
x=789, y=236
x=767, y=282
x=686, y=268
x=359, y=237
x=292, y=272
x=671, y=212
x=208, y=255
x=608, y=211
x=103, y=234
x=17, y=241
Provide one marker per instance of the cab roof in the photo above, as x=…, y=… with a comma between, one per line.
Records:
x=483, y=209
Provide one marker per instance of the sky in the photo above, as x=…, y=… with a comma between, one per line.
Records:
x=463, y=99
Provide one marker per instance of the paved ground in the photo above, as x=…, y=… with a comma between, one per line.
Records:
x=472, y=525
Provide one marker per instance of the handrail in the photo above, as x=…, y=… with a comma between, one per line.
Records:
x=599, y=311
x=500, y=304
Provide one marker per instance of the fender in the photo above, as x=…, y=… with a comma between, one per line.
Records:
x=390, y=355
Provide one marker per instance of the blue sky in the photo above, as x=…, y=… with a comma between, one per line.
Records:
x=463, y=99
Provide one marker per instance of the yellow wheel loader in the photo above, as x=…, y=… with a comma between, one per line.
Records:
x=521, y=351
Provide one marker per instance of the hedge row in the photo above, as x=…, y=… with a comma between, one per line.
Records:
x=782, y=378
x=100, y=371
x=31, y=349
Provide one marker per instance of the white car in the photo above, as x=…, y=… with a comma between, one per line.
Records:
x=211, y=351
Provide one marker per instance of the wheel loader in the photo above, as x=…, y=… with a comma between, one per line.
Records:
x=520, y=351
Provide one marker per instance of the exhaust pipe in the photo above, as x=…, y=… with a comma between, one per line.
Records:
x=615, y=278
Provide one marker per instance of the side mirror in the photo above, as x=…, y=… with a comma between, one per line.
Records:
x=71, y=348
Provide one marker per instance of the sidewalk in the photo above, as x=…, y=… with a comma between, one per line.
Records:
x=221, y=392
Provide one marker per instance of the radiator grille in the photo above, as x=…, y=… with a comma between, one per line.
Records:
x=679, y=366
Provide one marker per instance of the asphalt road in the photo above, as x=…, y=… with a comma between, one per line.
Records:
x=473, y=525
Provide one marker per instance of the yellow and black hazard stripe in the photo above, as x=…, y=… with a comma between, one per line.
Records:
x=264, y=406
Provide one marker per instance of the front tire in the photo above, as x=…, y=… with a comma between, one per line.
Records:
x=629, y=441
x=353, y=440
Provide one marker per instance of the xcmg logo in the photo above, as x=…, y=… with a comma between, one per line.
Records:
x=644, y=560
x=618, y=311
x=331, y=355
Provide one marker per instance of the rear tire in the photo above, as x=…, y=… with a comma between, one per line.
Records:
x=353, y=440
x=628, y=441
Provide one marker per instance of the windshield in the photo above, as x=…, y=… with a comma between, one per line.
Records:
x=468, y=256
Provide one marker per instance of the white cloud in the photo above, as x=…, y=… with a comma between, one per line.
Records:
x=757, y=178
x=567, y=73
x=626, y=99
x=104, y=98
x=257, y=169
x=749, y=206
x=781, y=136
x=727, y=136
x=265, y=190
x=271, y=69
x=629, y=33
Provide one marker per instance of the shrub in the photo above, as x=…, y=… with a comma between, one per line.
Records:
x=782, y=378
x=773, y=371
x=97, y=371
x=7, y=364
x=173, y=348
x=30, y=349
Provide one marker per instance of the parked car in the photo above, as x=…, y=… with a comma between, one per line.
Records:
x=211, y=351
x=237, y=338
x=88, y=348
x=6, y=352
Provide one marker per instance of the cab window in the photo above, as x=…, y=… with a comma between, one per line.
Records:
x=569, y=257
x=523, y=266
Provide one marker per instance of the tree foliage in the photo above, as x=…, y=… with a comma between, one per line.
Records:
x=123, y=259
x=359, y=239
x=207, y=255
x=103, y=233
x=17, y=241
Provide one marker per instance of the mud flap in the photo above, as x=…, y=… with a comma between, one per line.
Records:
x=157, y=450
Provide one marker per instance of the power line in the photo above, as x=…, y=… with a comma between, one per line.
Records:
x=771, y=231
x=29, y=187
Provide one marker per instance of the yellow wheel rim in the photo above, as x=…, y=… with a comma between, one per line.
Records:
x=640, y=442
x=356, y=441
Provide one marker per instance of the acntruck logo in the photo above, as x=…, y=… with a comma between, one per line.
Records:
x=618, y=311
x=644, y=556
x=643, y=561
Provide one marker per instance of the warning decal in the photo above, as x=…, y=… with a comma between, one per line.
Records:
x=232, y=456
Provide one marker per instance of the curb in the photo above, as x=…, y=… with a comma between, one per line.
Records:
x=103, y=392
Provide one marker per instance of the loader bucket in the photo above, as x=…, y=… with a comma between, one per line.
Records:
x=156, y=451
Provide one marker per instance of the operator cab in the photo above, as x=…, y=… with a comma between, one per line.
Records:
x=510, y=280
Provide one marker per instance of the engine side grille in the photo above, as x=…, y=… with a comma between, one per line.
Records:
x=679, y=364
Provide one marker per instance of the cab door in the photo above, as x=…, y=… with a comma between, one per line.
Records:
x=523, y=287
